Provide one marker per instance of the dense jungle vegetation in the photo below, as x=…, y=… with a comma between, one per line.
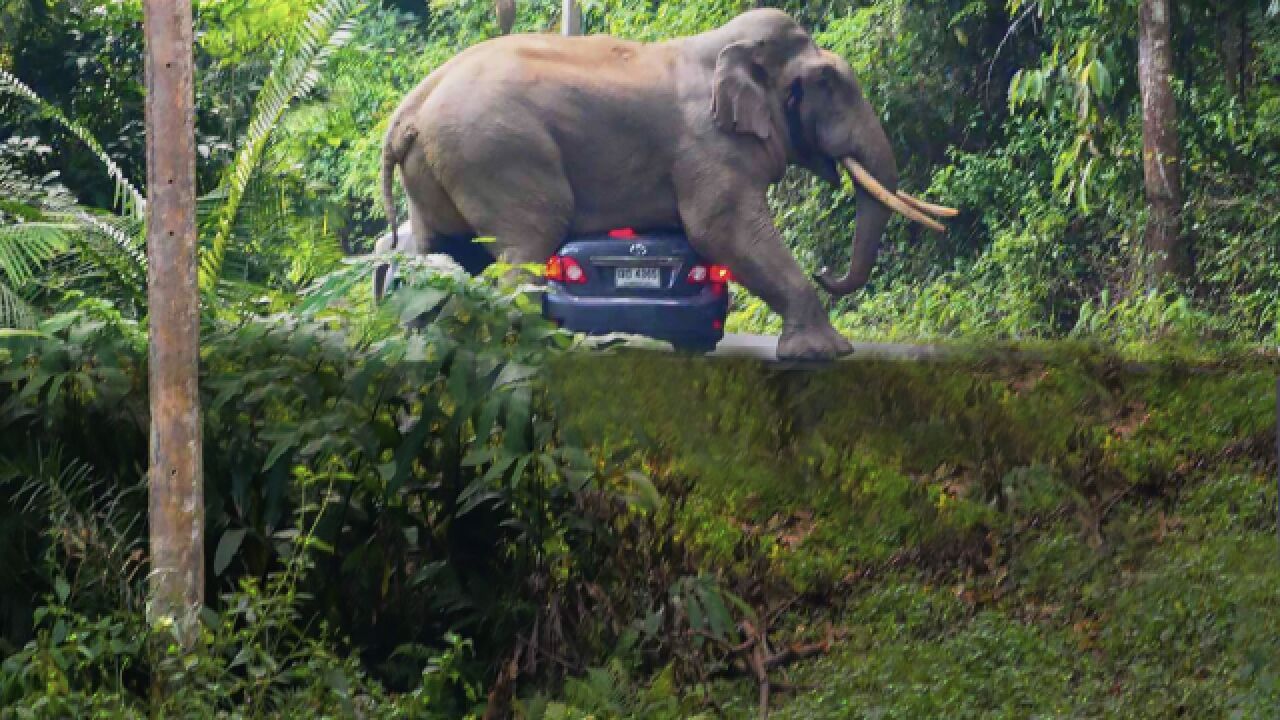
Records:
x=1071, y=516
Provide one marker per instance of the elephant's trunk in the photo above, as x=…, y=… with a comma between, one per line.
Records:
x=873, y=215
x=877, y=195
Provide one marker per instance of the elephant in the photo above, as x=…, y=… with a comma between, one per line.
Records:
x=530, y=138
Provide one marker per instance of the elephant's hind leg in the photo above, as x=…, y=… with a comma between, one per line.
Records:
x=432, y=211
x=525, y=206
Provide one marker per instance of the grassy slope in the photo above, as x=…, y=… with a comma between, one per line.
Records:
x=1064, y=536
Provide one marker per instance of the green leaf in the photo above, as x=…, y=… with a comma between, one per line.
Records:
x=478, y=456
x=492, y=406
x=718, y=618
x=693, y=606
x=281, y=447
x=517, y=421
x=514, y=373
x=1101, y=79
x=387, y=471
x=130, y=198
x=228, y=544
x=549, y=468
x=644, y=494
x=420, y=301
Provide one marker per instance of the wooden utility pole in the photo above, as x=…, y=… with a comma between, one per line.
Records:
x=506, y=11
x=570, y=18
x=175, y=477
x=1161, y=152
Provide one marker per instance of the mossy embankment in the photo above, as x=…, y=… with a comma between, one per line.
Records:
x=1059, y=533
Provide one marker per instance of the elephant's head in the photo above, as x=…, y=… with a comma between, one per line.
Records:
x=772, y=81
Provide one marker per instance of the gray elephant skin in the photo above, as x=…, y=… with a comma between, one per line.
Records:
x=530, y=138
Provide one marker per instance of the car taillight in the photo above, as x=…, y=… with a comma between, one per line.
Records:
x=719, y=274
x=573, y=272
x=562, y=268
x=555, y=270
x=624, y=233
x=714, y=274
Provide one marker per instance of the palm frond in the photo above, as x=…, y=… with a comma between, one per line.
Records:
x=124, y=235
x=297, y=71
x=129, y=199
x=113, y=251
x=15, y=312
x=24, y=248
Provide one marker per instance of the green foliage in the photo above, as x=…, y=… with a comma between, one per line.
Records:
x=298, y=71
x=128, y=197
x=611, y=691
x=1059, y=532
x=402, y=486
x=40, y=223
x=255, y=658
x=395, y=516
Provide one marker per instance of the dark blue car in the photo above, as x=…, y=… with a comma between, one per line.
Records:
x=622, y=281
x=650, y=283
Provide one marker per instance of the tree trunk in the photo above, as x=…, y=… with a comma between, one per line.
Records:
x=1234, y=46
x=1161, y=154
x=175, y=478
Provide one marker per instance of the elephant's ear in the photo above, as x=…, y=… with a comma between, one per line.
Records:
x=739, y=101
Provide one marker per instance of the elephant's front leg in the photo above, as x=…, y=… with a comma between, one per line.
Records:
x=736, y=229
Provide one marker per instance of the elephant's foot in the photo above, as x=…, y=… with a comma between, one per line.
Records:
x=819, y=341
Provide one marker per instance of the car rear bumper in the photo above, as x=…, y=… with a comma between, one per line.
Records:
x=697, y=319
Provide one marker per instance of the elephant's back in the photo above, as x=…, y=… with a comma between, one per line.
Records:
x=600, y=111
x=586, y=94
x=540, y=70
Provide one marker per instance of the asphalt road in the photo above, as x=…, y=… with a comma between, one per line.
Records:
x=764, y=347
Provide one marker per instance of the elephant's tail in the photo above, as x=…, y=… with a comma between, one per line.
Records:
x=394, y=147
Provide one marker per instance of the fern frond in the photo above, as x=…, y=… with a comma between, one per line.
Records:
x=128, y=197
x=96, y=521
x=297, y=71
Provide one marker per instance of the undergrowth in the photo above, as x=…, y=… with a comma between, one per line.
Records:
x=1058, y=532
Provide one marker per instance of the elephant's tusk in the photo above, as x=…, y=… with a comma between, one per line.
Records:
x=923, y=206
x=873, y=186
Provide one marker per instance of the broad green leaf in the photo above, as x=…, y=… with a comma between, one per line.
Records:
x=228, y=544
x=419, y=301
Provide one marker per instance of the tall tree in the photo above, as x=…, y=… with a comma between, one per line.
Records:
x=176, y=485
x=1161, y=152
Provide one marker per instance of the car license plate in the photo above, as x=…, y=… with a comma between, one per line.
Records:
x=638, y=277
